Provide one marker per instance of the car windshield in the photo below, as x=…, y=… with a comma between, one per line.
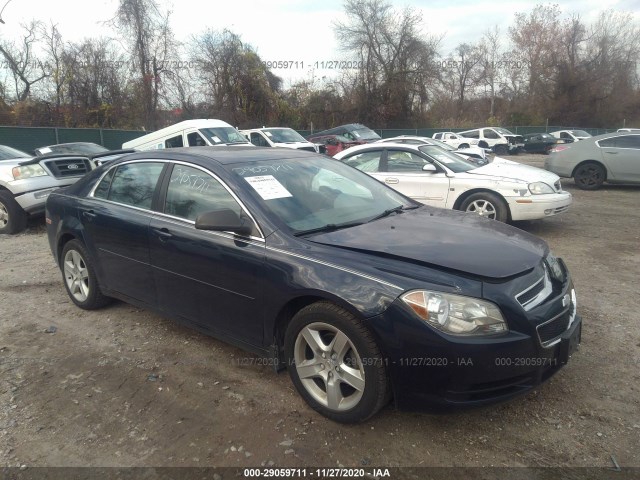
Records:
x=319, y=194
x=503, y=131
x=73, y=148
x=283, y=135
x=224, y=135
x=364, y=134
x=580, y=133
x=7, y=153
x=453, y=162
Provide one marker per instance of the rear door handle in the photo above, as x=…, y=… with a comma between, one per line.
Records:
x=163, y=234
x=612, y=153
x=391, y=180
x=90, y=215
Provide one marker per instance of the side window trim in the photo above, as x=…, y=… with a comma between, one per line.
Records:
x=165, y=184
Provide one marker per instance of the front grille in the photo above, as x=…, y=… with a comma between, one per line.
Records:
x=551, y=330
x=307, y=149
x=68, y=167
x=516, y=139
x=536, y=293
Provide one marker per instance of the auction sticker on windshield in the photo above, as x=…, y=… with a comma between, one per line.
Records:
x=268, y=187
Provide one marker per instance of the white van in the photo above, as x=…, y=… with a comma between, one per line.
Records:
x=278, y=137
x=190, y=133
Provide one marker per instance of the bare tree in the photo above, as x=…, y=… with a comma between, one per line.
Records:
x=537, y=40
x=151, y=41
x=238, y=86
x=25, y=68
x=491, y=53
x=397, y=60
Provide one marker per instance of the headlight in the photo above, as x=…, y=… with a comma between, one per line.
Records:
x=455, y=314
x=540, y=188
x=28, y=171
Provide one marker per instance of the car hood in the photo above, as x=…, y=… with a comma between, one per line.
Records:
x=515, y=171
x=451, y=240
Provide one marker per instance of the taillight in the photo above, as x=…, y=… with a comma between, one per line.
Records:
x=559, y=148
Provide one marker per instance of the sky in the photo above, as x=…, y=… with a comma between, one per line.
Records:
x=291, y=30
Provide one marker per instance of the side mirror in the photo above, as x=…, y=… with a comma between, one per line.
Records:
x=429, y=167
x=223, y=220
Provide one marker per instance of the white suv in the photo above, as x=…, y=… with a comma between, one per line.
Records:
x=500, y=140
x=455, y=140
x=279, y=137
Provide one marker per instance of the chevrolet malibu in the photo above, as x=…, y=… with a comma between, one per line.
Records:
x=503, y=190
x=362, y=294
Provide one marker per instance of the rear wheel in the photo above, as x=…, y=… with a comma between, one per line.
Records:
x=589, y=176
x=487, y=205
x=80, y=278
x=13, y=218
x=464, y=145
x=335, y=363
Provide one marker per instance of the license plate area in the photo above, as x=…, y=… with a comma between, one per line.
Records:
x=570, y=343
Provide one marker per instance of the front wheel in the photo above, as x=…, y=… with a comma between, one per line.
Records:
x=501, y=150
x=589, y=176
x=335, y=364
x=13, y=218
x=486, y=205
x=80, y=278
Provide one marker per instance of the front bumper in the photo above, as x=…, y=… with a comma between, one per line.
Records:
x=437, y=372
x=33, y=202
x=539, y=206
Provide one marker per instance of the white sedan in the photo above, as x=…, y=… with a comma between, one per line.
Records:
x=433, y=176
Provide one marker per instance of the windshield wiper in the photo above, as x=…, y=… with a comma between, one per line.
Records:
x=327, y=228
x=388, y=212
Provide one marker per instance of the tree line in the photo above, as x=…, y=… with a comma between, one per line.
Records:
x=549, y=67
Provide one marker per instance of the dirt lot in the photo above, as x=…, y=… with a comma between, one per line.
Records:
x=124, y=387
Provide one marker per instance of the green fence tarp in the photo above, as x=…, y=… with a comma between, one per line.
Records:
x=30, y=138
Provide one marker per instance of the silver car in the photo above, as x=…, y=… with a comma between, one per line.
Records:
x=26, y=182
x=612, y=157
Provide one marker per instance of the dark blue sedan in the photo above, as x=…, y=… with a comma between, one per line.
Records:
x=364, y=295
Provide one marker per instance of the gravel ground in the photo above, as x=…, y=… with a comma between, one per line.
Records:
x=125, y=387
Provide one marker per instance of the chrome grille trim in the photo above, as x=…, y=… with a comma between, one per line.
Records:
x=541, y=296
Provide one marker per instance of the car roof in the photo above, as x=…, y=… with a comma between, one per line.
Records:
x=375, y=145
x=222, y=155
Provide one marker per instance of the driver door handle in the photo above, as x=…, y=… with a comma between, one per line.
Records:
x=163, y=234
x=391, y=180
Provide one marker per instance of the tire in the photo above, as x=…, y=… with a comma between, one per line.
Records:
x=501, y=149
x=464, y=145
x=483, y=144
x=486, y=204
x=79, y=277
x=338, y=384
x=589, y=176
x=13, y=218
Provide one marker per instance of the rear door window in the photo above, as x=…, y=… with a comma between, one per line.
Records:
x=135, y=183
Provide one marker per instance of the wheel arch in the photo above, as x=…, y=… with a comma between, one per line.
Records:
x=62, y=241
x=294, y=305
x=460, y=200
x=597, y=162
